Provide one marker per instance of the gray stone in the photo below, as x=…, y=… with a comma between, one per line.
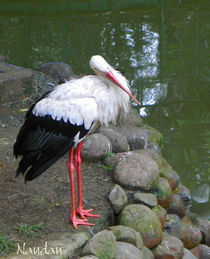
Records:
x=137, y=171
x=173, y=225
x=118, y=140
x=127, y=234
x=95, y=147
x=171, y=175
x=163, y=192
x=127, y=251
x=170, y=247
x=133, y=118
x=161, y=214
x=177, y=206
x=136, y=137
x=102, y=245
x=154, y=136
x=118, y=198
x=204, y=252
x=183, y=229
x=68, y=243
x=191, y=236
x=22, y=84
x=143, y=220
x=184, y=192
x=57, y=70
x=188, y=255
x=13, y=81
x=204, y=226
x=147, y=254
x=147, y=199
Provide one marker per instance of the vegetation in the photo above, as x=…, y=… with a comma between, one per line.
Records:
x=30, y=231
x=6, y=244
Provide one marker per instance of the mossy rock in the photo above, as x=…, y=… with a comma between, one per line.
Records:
x=144, y=220
x=154, y=135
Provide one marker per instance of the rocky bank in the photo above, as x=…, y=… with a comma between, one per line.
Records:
x=150, y=206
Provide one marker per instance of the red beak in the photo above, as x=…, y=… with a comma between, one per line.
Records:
x=111, y=77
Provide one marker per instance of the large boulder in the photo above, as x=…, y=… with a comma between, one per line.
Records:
x=136, y=171
x=57, y=70
x=143, y=220
x=95, y=147
x=22, y=84
x=102, y=245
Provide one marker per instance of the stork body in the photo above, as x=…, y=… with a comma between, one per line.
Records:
x=61, y=119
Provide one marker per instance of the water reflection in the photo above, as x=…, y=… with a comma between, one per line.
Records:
x=163, y=49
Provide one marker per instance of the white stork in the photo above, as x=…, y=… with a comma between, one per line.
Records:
x=61, y=119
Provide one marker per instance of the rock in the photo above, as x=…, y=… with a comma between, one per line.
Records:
x=161, y=213
x=95, y=147
x=143, y=220
x=173, y=225
x=204, y=226
x=170, y=247
x=185, y=194
x=13, y=82
x=183, y=229
x=177, y=206
x=127, y=251
x=147, y=254
x=136, y=137
x=154, y=136
x=171, y=175
x=147, y=199
x=118, y=140
x=136, y=170
x=133, y=118
x=102, y=245
x=204, y=252
x=155, y=147
x=68, y=242
x=22, y=84
x=188, y=255
x=191, y=236
x=57, y=70
x=118, y=198
x=163, y=192
x=127, y=234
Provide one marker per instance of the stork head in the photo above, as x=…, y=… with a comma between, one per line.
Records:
x=102, y=68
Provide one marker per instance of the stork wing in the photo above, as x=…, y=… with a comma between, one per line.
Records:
x=51, y=128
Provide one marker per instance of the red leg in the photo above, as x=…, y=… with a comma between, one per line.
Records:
x=83, y=213
x=73, y=217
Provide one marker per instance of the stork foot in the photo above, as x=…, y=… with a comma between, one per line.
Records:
x=85, y=213
x=75, y=221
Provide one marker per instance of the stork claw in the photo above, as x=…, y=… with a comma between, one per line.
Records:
x=75, y=221
x=85, y=213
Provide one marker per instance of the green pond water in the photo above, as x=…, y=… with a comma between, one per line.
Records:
x=161, y=46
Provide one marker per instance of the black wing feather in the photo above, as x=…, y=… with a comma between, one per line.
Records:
x=42, y=141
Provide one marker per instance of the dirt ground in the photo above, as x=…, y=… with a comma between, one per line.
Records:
x=45, y=199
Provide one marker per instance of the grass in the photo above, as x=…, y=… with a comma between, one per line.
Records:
x=30, y=231
x=6, y=244
x=110, y=154
x=106, y=167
